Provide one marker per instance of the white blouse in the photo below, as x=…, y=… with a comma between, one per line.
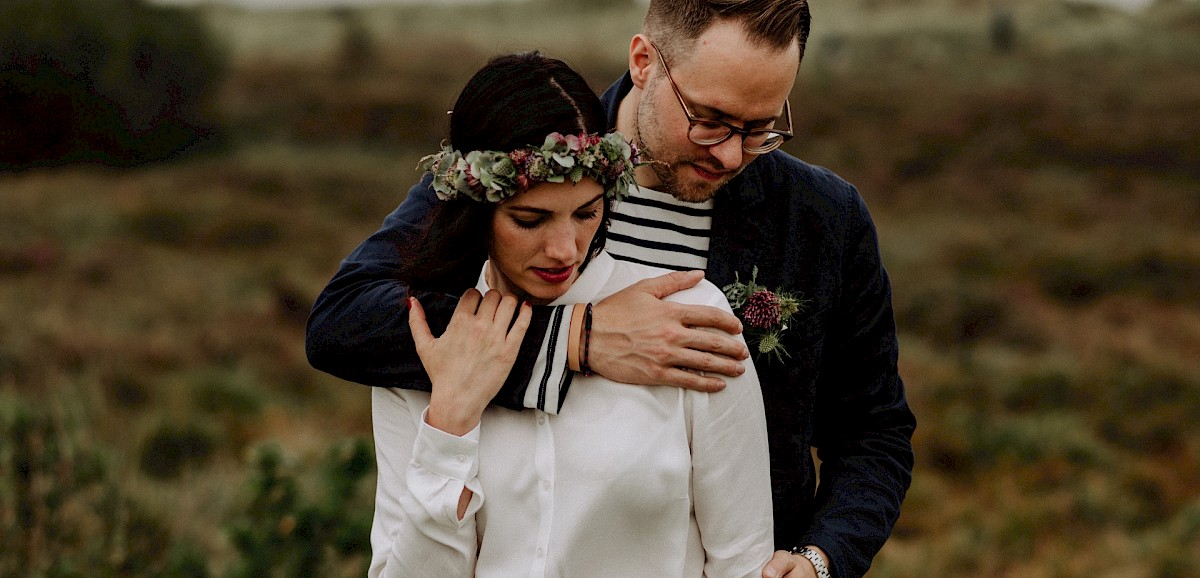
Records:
x=625, y=481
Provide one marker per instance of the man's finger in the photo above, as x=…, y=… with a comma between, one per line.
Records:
x=707, y=316
x=780, y=564
x=422, y=336
x=699, y=361
x=687, y=380
x=714, y=342
x=669, y=283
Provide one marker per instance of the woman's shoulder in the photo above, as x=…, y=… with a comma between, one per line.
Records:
x=627, y=273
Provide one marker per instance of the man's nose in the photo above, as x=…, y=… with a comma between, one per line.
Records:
x=728, y=153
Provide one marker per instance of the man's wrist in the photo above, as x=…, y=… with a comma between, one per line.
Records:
x=816, y=558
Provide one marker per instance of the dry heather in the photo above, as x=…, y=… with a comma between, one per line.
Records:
x=1033, y=172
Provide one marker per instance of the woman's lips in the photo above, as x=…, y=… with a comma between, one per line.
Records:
x=554, y=276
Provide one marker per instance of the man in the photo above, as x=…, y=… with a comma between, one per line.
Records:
x=705, y=99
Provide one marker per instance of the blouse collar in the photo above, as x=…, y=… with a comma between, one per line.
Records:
x=586, y=287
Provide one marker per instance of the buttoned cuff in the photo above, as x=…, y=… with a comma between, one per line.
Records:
x=444, y=454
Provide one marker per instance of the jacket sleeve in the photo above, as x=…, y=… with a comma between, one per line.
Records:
x=862, y=424
x=358, y=327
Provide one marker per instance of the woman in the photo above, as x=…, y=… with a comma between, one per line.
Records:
x=627, y=480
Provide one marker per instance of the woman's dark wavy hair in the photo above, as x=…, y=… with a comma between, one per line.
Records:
x=513, y=102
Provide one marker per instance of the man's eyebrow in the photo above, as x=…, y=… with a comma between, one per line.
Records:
x=705, y=112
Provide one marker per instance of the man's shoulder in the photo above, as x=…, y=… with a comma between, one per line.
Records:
x=782, y=170
x=779, y=183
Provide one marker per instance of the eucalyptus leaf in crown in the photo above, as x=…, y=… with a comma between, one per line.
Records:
x=492, y=176
x=764, y=313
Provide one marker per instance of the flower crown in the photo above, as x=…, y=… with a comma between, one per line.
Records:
x=492, y=176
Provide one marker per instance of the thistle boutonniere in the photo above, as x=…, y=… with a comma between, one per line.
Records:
x=764, y=313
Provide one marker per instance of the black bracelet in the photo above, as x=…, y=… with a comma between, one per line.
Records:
x=584, y=368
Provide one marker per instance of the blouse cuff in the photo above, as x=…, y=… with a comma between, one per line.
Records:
x=445, y=454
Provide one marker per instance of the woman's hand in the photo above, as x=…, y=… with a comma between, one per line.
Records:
x=470, y=361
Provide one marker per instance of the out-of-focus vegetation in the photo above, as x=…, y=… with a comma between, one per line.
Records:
x=110, y=81
x=1032, y=167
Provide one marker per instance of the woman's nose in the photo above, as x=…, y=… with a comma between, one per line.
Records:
x=560, y=243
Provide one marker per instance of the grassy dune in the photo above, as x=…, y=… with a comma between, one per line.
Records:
x=1033, y=176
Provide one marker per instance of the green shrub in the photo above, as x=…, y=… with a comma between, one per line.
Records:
x=118, y=82
x=65, y=514
x=285, y=533
x=231, y=392
x=172, y=448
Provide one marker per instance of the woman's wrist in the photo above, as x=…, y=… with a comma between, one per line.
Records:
x=451, y=417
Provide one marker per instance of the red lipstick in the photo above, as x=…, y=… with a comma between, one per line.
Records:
x=554, y=276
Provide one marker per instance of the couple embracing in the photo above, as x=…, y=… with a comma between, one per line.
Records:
x=552, y=400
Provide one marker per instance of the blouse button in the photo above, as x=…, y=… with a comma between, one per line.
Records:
x=461, y=458
x=541, y=553
x=542, y=420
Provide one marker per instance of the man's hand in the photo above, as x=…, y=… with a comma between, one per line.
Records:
x=785, y=564
x=639, y=338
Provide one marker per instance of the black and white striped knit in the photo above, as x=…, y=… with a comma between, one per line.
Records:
x=655, y=228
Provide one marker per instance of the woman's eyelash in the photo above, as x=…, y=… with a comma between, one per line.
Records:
x=533, y=223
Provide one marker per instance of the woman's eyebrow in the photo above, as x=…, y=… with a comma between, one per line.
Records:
x=541, y=211
x=591, y=202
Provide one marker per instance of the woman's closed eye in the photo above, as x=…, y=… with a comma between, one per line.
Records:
x=588, y=214
x=583, y=215
x=529, y=223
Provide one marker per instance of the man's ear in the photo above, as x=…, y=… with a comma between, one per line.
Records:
x=641, y=59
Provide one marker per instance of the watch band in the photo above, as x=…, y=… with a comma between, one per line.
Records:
x=817, y=562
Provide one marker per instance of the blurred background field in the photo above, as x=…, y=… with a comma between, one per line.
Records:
x=1032, y=166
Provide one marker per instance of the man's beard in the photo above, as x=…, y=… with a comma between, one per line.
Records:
x=668, y=175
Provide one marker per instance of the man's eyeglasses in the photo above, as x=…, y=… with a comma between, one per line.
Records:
x=709, y=132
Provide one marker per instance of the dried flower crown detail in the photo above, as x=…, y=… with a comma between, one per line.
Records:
x=492, y=176
x=764, y=312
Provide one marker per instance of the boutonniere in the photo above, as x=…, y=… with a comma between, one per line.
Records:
x=764, y=313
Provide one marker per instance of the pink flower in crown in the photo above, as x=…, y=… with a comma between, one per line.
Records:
x=762, y=309
x=523, y=181
x=574, y=144
x=519, y=157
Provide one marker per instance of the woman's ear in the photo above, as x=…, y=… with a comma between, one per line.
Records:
x=641, y=58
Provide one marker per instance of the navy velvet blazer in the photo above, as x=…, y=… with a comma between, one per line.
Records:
x=807, y=230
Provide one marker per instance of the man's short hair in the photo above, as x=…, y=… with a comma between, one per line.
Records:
x=773, y=23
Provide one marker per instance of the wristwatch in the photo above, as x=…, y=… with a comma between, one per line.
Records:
x=817, y=562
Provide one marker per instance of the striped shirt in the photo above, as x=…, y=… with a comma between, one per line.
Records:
x=655, y=228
